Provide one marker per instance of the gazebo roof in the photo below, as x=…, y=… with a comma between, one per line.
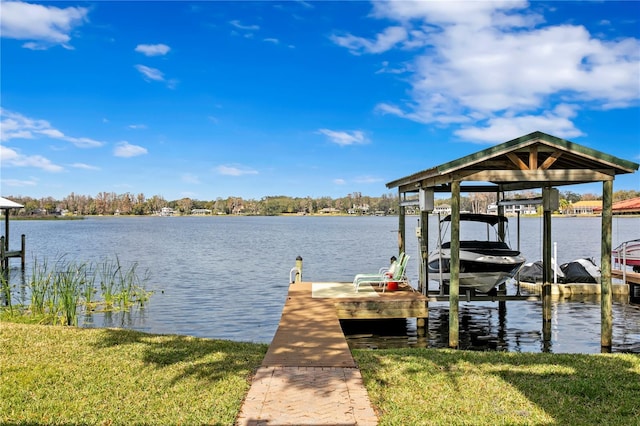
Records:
x=5, y=203
x=531, y=161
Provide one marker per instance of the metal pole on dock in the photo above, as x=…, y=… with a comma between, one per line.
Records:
x=606, y=315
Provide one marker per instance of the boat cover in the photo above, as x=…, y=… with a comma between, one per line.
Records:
x=532, y=272
x=578, y=271
x=581, y=271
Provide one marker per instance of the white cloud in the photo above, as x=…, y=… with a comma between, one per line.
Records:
x=18, y=183
x=150, y=73
x=137, y=126
x=367, y=179
x=127, y=150
x=240, y=26
x=154, y=74
x=45, y=26
x=499, y=129
x=234, y=170
x=384, y=41
x=344, y=138
x=17, y=126
x=271, y=40
x=84, y=166
x=497, y=63
x=10, y=157
x=153, y=49
x=339, y=181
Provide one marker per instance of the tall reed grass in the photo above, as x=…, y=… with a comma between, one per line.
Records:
x=61, y=289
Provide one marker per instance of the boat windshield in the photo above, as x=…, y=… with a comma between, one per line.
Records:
x=475, y=227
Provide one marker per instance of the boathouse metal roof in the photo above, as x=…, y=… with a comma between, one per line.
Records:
x=6, y=203
x=532, y=161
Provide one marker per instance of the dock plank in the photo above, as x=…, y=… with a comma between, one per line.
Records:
x=309, y=333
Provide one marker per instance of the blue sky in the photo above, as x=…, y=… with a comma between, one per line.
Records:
x=215, y=99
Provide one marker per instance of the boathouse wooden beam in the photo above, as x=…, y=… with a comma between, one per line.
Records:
x=533, y=157
x=517, y=161
x=571, y=175
x=454, y=267
x=550, y=160
x=606, y=313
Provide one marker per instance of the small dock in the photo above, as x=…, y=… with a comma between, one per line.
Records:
x=308, y=375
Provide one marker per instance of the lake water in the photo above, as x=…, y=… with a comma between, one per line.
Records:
x=227, y=277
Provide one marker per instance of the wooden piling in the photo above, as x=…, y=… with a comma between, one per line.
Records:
x=606, y=314
x=298, y=277
x=424, y=252
x=401, y=230
x=454, y=283
x=546, y=256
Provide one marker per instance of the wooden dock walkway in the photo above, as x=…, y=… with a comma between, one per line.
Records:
x=308, y=376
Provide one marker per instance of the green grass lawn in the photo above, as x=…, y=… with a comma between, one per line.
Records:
x=65, y=375
x=446, y=387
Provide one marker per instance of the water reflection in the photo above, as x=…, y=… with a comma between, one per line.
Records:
x=514, y=326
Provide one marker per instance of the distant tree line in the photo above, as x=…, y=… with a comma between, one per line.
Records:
x=110, y=203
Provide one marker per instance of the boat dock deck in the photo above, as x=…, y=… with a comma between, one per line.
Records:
x=308, y=375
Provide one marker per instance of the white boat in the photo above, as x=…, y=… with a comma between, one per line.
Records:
x=628, y=253
x=484, y=264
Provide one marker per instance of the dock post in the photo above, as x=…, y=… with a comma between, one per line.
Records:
x=22, y=250
x=401, y=230
x=424, y=253
x=3, y=266
x=454, y=282
x=546, y=263
x=298, y=277
x=606, y=315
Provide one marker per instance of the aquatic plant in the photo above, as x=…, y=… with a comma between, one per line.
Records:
x=58, y=291
x=40, y=286
x=69, y=282
x=5, y=292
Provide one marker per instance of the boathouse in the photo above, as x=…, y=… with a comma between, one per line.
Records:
x=533, y=161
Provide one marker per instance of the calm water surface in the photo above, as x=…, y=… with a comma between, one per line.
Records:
x=227, y=277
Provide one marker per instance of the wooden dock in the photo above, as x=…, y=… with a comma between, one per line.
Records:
x=309, y=333
x=628, y=276
x=6, y=254
x=308, y=375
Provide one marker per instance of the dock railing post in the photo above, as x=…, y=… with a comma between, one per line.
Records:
x=298, y=277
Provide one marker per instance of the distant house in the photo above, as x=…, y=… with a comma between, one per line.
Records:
x=512, y=210
x=200, y=212
x=586, y=207
x=442, y=209
x=166, y=211
x=329, y=210
x=630, y=206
